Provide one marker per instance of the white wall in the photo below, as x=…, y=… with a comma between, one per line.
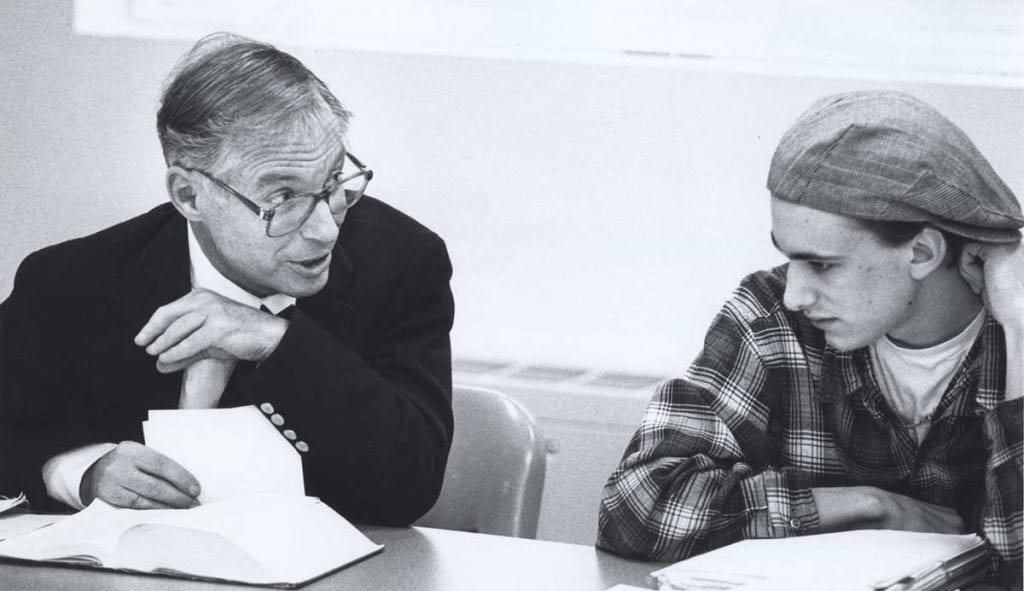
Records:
x=596, y=215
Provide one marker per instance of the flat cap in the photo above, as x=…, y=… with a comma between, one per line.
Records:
x=884, y=155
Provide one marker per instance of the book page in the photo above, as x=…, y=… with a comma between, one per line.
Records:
x=258, y=538
x=295, y=537
x=89, y=536
x=13, y=525
x=165, y=548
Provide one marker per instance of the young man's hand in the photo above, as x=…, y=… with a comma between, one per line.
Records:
x=996, y=271
x=868, y=507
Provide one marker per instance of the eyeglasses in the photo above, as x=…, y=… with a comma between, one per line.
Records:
x=340, y=192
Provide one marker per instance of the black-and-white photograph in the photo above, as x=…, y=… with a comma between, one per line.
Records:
x=475, y=295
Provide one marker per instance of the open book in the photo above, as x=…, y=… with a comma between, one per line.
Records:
x=853, y=560
x=262, y=539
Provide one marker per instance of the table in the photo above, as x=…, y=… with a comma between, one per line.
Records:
x=417, y=558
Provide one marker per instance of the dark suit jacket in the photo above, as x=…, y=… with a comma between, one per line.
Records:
x=362, y=375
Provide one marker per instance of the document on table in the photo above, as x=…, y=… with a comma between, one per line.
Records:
x=260, y=539
x=860, y=559
x=230, y=451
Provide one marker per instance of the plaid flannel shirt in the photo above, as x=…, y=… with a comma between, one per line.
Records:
x=767, y=411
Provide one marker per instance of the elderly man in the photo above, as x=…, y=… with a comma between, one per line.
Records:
x=269, y=279
x=875, y=380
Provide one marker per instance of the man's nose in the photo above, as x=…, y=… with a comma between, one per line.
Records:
x=321, y=224
x=799, y=293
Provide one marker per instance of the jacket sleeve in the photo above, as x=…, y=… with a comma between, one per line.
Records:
x=1002, y=520
x=698, y=473
x=41, y=406
x=373, y=425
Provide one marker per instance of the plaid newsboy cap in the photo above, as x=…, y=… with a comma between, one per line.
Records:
x=884, y=155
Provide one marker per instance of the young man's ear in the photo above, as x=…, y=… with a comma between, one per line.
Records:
x=929, y=252
x=182, y=188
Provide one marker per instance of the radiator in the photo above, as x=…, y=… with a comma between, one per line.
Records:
x=587, y=417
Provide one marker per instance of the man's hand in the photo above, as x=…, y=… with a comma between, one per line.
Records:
x=204, y=325
x=137, y=477
x=996, y=271
x=867, y=507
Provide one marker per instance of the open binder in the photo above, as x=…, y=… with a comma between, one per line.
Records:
x=274, y=540
x=862, y=560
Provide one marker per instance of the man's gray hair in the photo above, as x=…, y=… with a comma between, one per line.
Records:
x=231, y=86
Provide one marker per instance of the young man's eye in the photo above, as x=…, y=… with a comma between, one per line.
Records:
x=820, y=266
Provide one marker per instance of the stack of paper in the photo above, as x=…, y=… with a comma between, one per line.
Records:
x=15, y=520
x=230, y=451
x=861, y=560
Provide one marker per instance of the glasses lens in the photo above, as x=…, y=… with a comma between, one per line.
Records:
x=353, y=188
x=290, y=215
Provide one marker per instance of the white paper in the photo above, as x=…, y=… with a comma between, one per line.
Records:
x=12, y=526
x=256, y=538
x=6, y=504
x=857, y=559
x=230, y=451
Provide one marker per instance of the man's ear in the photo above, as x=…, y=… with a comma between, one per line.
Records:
x=929, y=252
x=182, y=188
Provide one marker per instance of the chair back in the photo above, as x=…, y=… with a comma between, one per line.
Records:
x=495, y=476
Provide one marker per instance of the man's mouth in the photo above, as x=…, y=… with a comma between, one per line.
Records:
x=821, y=322
x=315, y=265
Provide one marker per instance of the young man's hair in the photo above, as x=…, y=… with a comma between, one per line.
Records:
x=897, y=233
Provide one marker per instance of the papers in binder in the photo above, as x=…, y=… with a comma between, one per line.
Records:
x=262, y=539
x=230, y=451
x=861, y=560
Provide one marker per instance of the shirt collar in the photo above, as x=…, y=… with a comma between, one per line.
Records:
x=205, y=276
x=845, y=374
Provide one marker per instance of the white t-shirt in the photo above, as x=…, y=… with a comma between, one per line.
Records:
x=914, y=380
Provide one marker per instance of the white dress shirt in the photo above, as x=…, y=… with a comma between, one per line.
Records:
x=202, y=383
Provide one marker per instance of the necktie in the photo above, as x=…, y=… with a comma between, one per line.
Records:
x=205, y=381
x=286, y=313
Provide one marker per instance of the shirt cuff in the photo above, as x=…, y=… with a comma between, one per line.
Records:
x=62, y=474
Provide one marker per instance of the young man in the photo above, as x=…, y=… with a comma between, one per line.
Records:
x=875, y=380
x=269, y=279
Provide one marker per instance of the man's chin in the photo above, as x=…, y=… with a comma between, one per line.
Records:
x=843, y=344
x=305, y=287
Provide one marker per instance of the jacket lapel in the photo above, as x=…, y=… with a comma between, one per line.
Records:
x=331, y=305
x=158, y=275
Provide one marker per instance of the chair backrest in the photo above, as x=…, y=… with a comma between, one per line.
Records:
x=495, y=476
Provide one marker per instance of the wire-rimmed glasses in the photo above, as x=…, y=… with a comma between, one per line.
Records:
x=341, y=192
